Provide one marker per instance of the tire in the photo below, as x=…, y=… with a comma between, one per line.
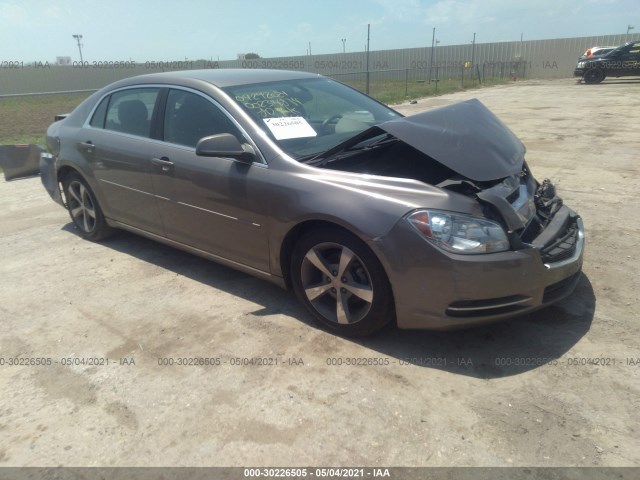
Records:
x=84, y=209
x=593, y=75
x=341, y=283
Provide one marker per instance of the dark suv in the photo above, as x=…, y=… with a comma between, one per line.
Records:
x=623, y=61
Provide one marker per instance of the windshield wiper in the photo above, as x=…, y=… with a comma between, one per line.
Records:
x=352, y=146
x=357, y=149
x=308, y=158
x=342, y=146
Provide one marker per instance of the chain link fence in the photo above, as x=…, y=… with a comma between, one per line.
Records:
x=554, y=58
x=385, y=85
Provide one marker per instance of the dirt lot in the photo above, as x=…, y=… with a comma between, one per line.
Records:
x=517, y=393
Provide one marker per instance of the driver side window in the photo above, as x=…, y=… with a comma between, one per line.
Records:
x=190, y=117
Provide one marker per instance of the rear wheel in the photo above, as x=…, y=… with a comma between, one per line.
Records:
x=84, y=209
x=341, y=282
x=593, y=75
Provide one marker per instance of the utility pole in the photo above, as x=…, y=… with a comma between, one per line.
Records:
x=368, y=45
x=344, y=42
x=78, y=37
x=473, y=51
x=309, y=48
x=629, y=27
x=433, y=42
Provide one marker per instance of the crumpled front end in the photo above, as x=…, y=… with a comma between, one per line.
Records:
x=436, y=289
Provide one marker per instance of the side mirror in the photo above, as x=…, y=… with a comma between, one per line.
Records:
x=225, y=145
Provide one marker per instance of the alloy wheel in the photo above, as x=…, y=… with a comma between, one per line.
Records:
x=337, y=283
x=81, y=206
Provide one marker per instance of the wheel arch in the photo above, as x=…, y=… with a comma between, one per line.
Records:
x=599, y=72
x=292, y=236
x=66, y=169
x=63, y=172
x=101, y=228
x=305, y=235
x=296, y=232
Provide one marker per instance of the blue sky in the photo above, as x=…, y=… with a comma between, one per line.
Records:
x=39, y=30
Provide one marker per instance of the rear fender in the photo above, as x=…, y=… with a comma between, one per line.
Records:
x=49, y=177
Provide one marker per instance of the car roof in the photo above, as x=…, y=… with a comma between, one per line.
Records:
x=226, y=77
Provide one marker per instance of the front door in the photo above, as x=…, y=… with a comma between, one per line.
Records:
x=214, y=204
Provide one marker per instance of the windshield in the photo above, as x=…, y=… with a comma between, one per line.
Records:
x=604, y=52
x=309, y=116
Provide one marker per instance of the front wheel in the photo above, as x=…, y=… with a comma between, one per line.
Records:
x=593, y=75
x=84, y=209
x=341, y=283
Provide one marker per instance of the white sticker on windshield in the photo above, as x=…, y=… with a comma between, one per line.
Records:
x=284, y=128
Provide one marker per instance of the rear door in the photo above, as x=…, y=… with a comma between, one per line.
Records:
x=117, y=142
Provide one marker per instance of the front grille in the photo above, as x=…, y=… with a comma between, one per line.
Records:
x=563, y=247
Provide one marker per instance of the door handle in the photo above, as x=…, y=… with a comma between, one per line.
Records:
x=88, y=146
x=163, y=162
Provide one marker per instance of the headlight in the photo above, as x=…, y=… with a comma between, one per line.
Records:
x=459, y=233
x=580, y=64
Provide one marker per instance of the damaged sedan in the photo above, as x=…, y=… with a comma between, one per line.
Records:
x=433, y=220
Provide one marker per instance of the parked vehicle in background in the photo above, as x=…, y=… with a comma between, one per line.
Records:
x=593, y=51
x=434, y=219
x=623, y=61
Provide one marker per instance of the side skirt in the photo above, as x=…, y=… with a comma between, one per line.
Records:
x=201, y=253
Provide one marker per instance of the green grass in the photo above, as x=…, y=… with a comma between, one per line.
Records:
x=25, y=119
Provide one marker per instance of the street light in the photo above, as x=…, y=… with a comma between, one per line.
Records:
x=344, y=42
x=368, y=46
x=433, y=44
x=437, y=79
x=473, y=51
x=78, y=37
x=630, y=27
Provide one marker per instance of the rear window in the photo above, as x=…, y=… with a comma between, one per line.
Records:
x=129, y=111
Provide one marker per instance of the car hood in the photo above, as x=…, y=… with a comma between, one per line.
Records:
x=465, y=137
x=597, y=58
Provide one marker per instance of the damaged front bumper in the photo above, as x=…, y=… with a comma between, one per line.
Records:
x=49, y=177
x=438, y=290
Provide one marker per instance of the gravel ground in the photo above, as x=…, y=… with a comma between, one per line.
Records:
x=519, y=393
